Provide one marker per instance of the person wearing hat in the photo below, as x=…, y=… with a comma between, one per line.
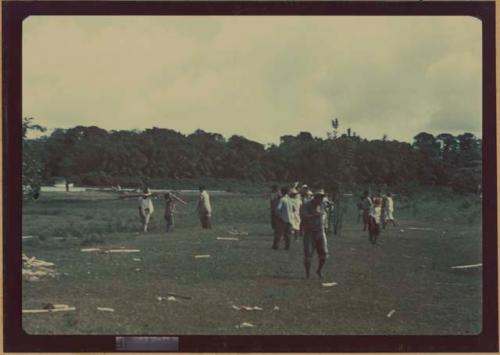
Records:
x=169, y=212
x=146, y=208
x=314, y=232
x=204, y=208
x=285, y=212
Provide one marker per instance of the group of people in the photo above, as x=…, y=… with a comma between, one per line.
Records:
x=376, y=211
x=301, y=213
x=146, y=208
x=297, y=212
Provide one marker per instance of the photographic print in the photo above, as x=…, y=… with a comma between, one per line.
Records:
x=252, y=175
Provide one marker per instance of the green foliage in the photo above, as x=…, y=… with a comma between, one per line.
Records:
x=33, y=155
x=96, y=157
x=465, y=181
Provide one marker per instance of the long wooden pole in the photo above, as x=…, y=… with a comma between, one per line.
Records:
x=140, y=194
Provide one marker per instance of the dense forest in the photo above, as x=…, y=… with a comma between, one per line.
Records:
x=97, y=157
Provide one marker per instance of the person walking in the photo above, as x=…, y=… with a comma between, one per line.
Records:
x=366, y=204
x=389, y=210
x=375, y=218
x=169, y=212
x=284, y=210
x=359, y=205
x=146, y=208
x=296, y=202
x=204, y=208
x=328, y=208
x=274, y=199
x=314, y=232
x=306, y=195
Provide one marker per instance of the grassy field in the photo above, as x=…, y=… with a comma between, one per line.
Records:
x=408, y=272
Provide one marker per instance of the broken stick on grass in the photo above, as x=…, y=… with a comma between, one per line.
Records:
x=179, y=296
x=466, y=266
x=123, y=251
x=245, y=325
x=90, y=249
x=329, y=284
x=48, y=310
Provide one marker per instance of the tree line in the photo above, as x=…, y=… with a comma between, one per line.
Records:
x=94, y=156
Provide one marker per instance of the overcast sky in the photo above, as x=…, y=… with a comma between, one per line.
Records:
x=261, y=77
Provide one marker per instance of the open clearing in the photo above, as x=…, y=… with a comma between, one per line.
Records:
x=404, y=285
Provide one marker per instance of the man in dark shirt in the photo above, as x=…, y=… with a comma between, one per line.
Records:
x=169, y=211
x=274, y=199
x=314, y=232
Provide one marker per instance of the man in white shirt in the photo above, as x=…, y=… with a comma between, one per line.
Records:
x=375, y=217
x=204, y=209
x=146, y=208
x=285, y=212
x=389, y=210
x=296, y=200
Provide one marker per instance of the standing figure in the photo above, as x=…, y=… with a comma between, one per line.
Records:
x=296, y=201
x=328, y=207
x=169, y=212
x=204, y=209
x=360, y=209
x=146, y=208
x=274, y=199
x=284, y=210
x=389, y=210
x=306, y=195
x=366, y=204
x=314, y=232
x=375, y=218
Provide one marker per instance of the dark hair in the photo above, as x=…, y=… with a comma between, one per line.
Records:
x=202, y=188
x=366, y=193
x=167, y=195
x=145, y=190
x=284, y=190
x=274, y=188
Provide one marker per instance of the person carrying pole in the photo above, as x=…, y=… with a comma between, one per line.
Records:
x=204, y=209
x=169, y=212
x=146, y=208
